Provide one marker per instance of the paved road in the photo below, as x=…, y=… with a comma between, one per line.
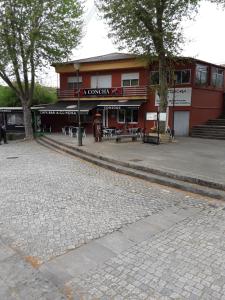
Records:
x=71, y=230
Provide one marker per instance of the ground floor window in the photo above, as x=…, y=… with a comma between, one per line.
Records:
x=127, y=115
x=15, y=119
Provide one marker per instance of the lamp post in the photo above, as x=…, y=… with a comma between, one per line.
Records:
x=77, y=66
x=174, y=98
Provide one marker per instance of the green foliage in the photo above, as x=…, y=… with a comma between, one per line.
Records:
x=8, y=97
x=42, y=95
x=147, y=26
x=33, y=34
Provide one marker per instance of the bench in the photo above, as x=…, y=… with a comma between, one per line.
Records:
x=126, y=136
x=151, y=139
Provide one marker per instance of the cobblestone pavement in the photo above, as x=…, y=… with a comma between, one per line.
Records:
x=185, y=262
x=18, y=280
x=52, y=204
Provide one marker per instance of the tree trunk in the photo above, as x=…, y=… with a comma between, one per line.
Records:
x=163, y=87
x=27, y=117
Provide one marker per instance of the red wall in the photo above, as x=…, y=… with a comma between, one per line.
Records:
x=116, y=77
x=207, y=102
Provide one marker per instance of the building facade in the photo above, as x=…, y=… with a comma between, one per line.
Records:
x=123, y=88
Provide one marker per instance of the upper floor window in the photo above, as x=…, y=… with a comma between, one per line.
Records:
x=154, y=79
x=130, y=79
x=183, y=76
x=101, y=81
x=217, y=78
x=74, y=82
x=201, y=75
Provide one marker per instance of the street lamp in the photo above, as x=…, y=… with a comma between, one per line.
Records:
x=174, y=98
x=77, y=67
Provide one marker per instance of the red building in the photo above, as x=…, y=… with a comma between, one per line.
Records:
x=122, y=87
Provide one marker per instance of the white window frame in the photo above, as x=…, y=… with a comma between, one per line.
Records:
x=207, y=73
x=218, y=77
x=124, y=116
x=181, y=76
x=125, y=111
x=74, y=80
x=96, y=81
x=132, y=115
x=130, y=77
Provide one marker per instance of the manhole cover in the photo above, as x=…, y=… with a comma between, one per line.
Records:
x=12, y=157
x=135, y=160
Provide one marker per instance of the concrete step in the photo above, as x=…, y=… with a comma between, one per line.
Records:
x=197, y=186
x=208, y=132
x=210, y=137
x=210, y=127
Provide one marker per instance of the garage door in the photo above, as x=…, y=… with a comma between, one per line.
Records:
x=181, y=123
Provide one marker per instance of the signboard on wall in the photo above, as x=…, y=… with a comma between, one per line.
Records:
x=101, y=92
x=151, y=116
x=182, y=97
x=58, y=112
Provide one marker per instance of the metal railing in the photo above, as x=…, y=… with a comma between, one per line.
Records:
x=125, y=91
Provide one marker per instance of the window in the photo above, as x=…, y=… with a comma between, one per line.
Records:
x=183, y=76
x=130, y=79
x=74, y=83
x=201, y=75
x=101, y=81
x=154, y=77
x=15, y=119
x=121, y=116
x=217, y=79
x=129, y=115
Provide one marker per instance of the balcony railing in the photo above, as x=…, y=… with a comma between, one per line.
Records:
x=130, y=91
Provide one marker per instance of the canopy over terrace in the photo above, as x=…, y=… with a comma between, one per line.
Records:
x=69, y=108
x=65, y=113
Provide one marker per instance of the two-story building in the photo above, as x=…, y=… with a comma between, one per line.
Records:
x=122, y=87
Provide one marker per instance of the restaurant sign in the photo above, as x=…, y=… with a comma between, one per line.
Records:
x=101, y=92
x=178, y=97
x=57, y=112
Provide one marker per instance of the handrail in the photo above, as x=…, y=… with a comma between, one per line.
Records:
x=122, y=91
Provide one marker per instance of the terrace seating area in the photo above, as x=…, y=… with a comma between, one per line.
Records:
x=72, y=131
x=119, y=134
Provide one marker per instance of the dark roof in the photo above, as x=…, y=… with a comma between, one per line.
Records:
x=106, y=57
x=124, y=56
x=70, y=106
x=133, y=103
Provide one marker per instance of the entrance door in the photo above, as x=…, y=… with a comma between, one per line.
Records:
x=105, y=118
x=181, y=123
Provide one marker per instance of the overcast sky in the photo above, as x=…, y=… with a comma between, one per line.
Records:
x=205, y=37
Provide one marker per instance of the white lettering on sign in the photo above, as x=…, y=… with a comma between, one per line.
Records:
x=58, y=112
x=89, y=92
x=182, y=97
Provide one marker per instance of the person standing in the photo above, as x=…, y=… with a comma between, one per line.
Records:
x=3, y=134
x=97, y=128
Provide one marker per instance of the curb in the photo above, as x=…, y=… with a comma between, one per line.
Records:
x=185, y=178
x=159, y=179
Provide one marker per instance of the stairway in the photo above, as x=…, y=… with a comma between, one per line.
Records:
x=213, y=129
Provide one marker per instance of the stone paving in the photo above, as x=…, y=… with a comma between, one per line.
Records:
x=52, y=204
x=19, y=280
x=185, y=262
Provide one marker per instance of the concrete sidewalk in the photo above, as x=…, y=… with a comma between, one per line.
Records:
x=198, y=158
